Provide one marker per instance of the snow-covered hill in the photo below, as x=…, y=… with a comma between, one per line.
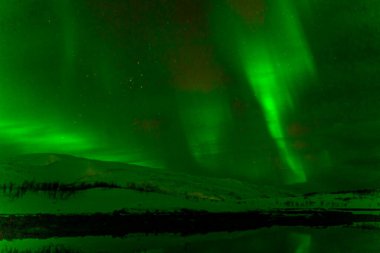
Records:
x=54, y=183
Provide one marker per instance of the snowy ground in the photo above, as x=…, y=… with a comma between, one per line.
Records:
x=139, y=189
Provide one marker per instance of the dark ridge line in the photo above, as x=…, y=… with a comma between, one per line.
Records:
x=357, y=192
x=121, y=223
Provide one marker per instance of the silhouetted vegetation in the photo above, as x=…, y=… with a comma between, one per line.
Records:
x=58, y=190
x=53, y=189
x=47, y=249
x=358, y=192
x=145, y=187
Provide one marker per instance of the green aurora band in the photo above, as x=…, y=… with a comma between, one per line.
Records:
x=204, y=120
x=276, y=57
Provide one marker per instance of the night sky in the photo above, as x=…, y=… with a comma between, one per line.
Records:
x=283, y=92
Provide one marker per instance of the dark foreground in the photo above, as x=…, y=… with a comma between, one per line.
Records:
x=184, y=222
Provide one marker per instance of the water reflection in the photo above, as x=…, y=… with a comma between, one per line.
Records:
x=268, y=240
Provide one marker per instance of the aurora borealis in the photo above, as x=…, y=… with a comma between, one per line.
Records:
x=273, y=92
x=273, y=66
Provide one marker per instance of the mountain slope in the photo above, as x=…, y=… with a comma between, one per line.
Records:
x=53, y=183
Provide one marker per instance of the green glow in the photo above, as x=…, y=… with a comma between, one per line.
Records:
x=303, y=243
x=297, y=58
x=275, y=60
x=204, y=118
x=68, y=25
x=270, y=88
x=217, y=83
x=124, y=155
x=41, y=138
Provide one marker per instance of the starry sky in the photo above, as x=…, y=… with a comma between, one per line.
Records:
x=282, y=92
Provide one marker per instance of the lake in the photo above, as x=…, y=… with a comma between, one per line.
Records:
x=357, y=238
